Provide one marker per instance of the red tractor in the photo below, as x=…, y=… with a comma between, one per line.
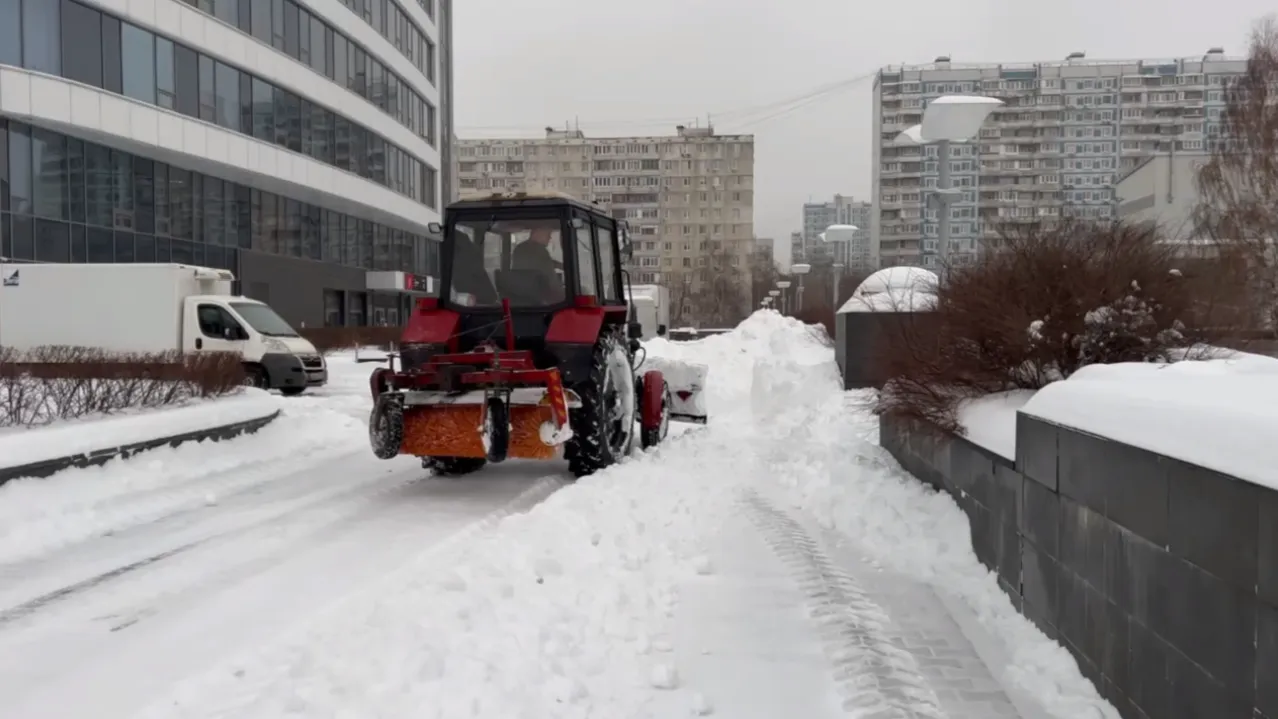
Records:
x=531, y=350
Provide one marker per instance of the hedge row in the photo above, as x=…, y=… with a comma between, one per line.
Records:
x=49, y=384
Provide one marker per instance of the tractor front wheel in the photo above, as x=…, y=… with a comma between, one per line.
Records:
x=386, y=426
x=604, y=426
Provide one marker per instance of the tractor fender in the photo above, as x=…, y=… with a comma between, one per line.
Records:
x=652, y=398
x=380, y=381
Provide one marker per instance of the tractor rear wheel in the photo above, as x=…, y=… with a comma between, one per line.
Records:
x=603, y=427
x=453, y=466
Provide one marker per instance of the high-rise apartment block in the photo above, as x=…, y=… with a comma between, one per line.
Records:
x=1067, y=131
x=843, y=210
x=688, y=197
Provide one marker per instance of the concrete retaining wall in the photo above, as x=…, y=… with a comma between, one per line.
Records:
x=1159, y=576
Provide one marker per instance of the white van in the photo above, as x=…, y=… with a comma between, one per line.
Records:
x=152, y=308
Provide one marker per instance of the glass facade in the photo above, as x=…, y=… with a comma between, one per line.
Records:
x=80, y=43
x=386, y=18
x=66, y=200
x=305, y=37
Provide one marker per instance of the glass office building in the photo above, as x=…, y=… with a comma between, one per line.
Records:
x=304, y=152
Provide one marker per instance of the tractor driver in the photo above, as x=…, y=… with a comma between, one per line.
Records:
x=533, y=255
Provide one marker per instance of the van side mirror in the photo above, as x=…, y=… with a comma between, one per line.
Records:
x=230, y=334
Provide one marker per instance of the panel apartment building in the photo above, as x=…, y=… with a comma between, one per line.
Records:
x=688, y=197
x=1067, y=132
x=844, y=210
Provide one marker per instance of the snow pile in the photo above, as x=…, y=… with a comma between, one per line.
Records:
x=1221, y=413
x=566, y=611
x=20, y=446
x=990, y=421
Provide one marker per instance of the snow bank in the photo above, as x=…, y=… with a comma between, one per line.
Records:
x=1221, y=413
x=990, y=421
x=38, y=444
x=566, y=611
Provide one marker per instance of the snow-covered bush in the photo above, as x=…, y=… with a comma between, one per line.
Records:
x=1038, y=306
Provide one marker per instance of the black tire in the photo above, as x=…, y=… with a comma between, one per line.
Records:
x=292, y=391
x=600, y=438
x=453, y=466
x=386, y=426
x=497, y=427
x=254, y=377
x=650, y=438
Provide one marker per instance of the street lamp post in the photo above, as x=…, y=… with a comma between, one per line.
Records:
x=838, y=275
x=784, y=285
x=844, y=235
x=799, y=271
x=948, y=119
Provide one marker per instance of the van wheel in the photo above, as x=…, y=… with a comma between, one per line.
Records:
x=292, y=391
x=254, y=377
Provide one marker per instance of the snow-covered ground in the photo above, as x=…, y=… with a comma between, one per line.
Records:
x=775, y=563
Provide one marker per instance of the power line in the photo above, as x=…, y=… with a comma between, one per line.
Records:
x=749, y=114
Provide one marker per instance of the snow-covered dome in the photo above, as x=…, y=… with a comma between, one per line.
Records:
x=894, y=289
x=905, y=279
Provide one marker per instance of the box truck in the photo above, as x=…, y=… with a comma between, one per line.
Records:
x=652, y=309
x=153, y=308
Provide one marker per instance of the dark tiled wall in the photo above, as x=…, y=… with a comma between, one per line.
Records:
x=1160, y=577
x=859, y=338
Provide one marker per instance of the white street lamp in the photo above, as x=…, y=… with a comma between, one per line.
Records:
x=773, y=293
x=784, y=285
x=799, y=271
x=947, y=119
x=843, y=235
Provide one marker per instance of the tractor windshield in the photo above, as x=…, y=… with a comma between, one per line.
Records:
x=518, y=260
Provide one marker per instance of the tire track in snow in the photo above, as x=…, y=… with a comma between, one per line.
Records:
x=229, y=689
x=256, y=520
x=878, y=679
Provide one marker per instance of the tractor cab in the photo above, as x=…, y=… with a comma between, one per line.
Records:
x=538, y=252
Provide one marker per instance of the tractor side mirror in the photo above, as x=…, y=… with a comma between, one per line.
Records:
x=661, y=330
x=635, y=330
x=435, y=228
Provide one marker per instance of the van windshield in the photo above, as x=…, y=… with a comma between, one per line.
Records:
x=263, y=319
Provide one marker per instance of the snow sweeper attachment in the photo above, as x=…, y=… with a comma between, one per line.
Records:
x=531, y=350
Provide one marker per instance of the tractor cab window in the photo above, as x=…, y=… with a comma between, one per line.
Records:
x=517, y=260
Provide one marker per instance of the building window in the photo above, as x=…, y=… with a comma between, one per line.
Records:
x=82, y=44
x=70, y=200
x=290, y=28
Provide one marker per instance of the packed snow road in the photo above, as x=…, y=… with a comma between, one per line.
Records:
x=117, y=582
x=776, y=563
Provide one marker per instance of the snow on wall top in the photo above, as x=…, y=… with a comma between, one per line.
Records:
x=894, y=289
x=1221, y=414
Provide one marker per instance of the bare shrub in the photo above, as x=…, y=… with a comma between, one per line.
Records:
x=1041, y=305
x=1237, y=212
x=57, y=383
x=338, y=339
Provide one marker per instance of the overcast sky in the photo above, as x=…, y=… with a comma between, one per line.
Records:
x=629, y=68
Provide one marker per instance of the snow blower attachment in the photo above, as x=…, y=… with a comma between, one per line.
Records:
x=531, y=351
